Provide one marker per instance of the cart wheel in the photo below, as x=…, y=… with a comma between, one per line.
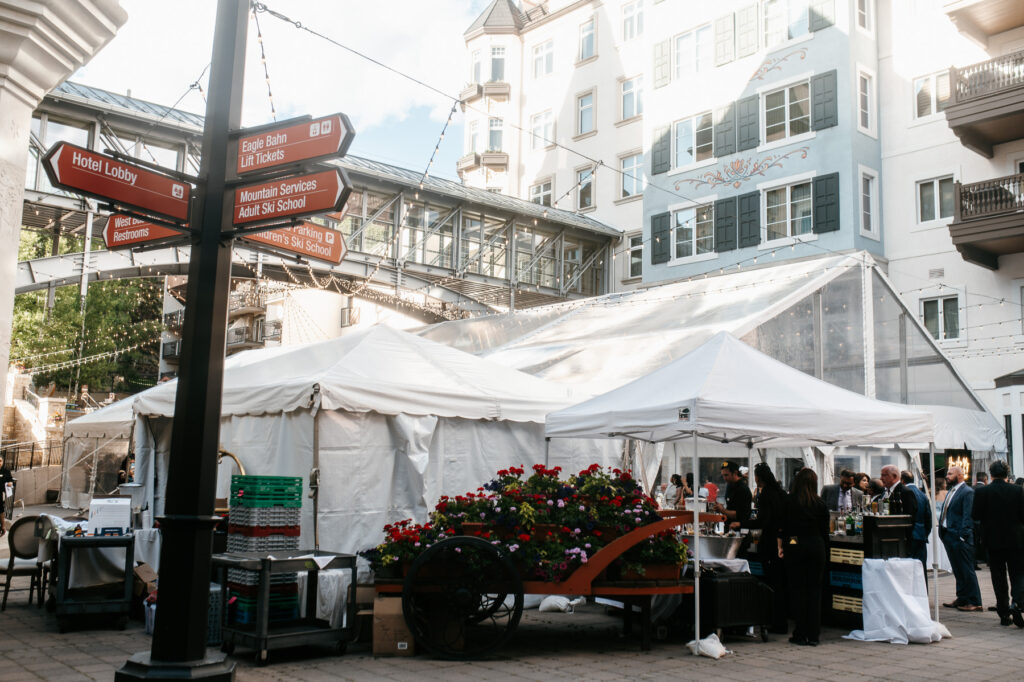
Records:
x=340, y=648
x=462, y=598
x=764, y=634
x=262, y=657
x=228, y=648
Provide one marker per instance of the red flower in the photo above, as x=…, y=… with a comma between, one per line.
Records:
x=523, y=537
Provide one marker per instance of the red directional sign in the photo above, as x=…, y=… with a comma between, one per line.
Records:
x=122, y=230
x=291, y=197
x=308, y=239
x=319, y=138
x=97, y=175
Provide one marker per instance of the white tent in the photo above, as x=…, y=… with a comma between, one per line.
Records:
x=391, y=420
x=94, y=446
x=726, y=391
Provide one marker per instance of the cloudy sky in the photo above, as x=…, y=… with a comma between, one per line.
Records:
x=165, y=46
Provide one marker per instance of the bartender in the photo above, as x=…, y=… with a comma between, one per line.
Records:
x=737, y=494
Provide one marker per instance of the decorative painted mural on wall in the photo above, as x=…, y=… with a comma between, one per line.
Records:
x=775, y=63
x=739, y=171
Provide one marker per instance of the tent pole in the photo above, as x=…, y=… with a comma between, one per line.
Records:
x=696, y=551
x=547, y=451
x=935, y=534
x=314, y=480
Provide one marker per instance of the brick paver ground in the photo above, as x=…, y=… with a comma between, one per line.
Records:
x=585, y=645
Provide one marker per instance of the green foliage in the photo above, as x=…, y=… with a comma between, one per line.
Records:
x=119, y=314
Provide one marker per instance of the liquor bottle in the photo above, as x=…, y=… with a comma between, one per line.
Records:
x=849, y=523
x=885, y=507
x=858, y=523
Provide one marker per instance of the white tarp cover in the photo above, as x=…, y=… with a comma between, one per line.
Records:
x=896, y=604
x=114, y=420
x=733, y=392
x=956, y=427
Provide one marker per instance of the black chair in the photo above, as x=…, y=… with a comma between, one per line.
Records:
x=24, y=548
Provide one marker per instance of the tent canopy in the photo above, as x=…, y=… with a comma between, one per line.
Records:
x=727, y=391
x=113, y=420
x=379, y=370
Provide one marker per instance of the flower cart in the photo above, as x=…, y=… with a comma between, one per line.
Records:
x=466, y=572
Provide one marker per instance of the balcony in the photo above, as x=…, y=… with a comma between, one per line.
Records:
x=171, y=350
x=240, y=338
x=989, y=220
x=982, y=19
x=469, y=162
x=246, y=303
x=470, y=94
x=175, y=320
x=272, y=330
x=497, y=90
x=987, y=102
x=494, y=159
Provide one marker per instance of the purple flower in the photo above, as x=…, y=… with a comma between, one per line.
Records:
x=550, y=502
x=582, y=508
x=561, y=503
x=459, y=550
x=587, y=545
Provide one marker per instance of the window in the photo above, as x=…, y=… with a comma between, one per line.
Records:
x=931, y=94
x=474, y=69
x=865, y=102
x=497, y=64
x=632, y=19
x=935, y=199
x=788, y=211
x=636, y=255
x=585, y=113
x=632, y=97
x=694, y=51
x=693, y=139
x=585, y=188
x=693, y=231
x=494, y=138
x=586, y=41
x=632, y=175
x=541, y=193
x=869, y=203
x=783, y=20
x=865, y=20
x=787, y=112
x=542, y=129
x=941, y=317
x=474, y=136
x=543, y=59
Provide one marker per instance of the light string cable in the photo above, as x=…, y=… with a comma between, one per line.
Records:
x=263, y=60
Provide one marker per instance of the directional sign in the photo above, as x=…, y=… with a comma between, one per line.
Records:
x=291, y=197
x=122, y=230
x=307, y=239
x=97, y=175
x=320, y=138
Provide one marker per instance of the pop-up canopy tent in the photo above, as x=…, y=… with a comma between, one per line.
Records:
x=392, y=421
x=726, y=391
x=95, y=444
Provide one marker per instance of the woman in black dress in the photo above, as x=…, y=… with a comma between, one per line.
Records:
x=802, y=543
x=770, y=503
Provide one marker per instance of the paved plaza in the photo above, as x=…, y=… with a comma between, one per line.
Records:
x=585, y=645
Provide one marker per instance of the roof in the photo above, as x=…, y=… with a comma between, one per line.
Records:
x=448, y=188
x=501, y=16
x=1011, y=379
x=130, y=105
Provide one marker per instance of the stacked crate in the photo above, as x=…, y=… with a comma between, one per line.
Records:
x=264, y=517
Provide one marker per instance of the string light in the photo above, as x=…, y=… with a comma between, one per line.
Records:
x=263, y=60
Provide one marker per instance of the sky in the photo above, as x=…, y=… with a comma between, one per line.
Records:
x=165, y=46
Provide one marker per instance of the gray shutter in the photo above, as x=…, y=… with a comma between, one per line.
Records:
x=746, y=31
x=661, y=151
x=824, y=104
x=661, y=238
x=826, y=203
x=750, y=219
x=748, y=123
x=725, y=224
x=822, y=14
x=662, y=71
x=725, y=130
x=725, y=40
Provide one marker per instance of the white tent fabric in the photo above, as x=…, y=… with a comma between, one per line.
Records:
x=957, y=428
x=94, y=446
x=725, y=390
x=107, y=422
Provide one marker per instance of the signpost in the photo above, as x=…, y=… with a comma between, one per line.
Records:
x=291, y=197
x=288, y=143
x=122, y=231
x=307, y=239
x=84, y=171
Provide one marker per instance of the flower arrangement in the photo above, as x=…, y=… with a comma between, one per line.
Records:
x=549, y=526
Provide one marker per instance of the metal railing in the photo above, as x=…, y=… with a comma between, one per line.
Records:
x=175, y=319
x=990, y=197
x=32, y=399
x=172, y=349
x=246, y=299
x=272, y=329
x=240, y=335
x=988, y=77
x=32, y=454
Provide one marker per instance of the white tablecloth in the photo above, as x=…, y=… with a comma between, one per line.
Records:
x=332, y=595
x=147, y=547
x=896, y=604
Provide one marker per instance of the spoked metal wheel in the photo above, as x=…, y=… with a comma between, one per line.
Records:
x=462, y=598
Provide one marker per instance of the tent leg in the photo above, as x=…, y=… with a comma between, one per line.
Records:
x=314, y=481
x=696, y=551
x=935, y=535
x=547, y=451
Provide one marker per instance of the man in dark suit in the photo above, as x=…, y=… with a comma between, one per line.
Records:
x=922, y=523
x=956, y=530
x=999, y=507
x=843, y=496
x=901, y=500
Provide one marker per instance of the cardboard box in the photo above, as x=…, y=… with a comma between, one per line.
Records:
x=365, y=595
x=391, y=637
x=145, y=580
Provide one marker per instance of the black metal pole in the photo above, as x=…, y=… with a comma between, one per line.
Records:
x=179, y=638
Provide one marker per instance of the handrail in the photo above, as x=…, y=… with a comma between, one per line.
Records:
x=987, y=77
x=990, y=197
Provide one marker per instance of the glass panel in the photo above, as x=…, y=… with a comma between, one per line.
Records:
x=705, y=136
x=497, y=63
x=930, y=379
x=684, y=232
x=586, y=188
x=800, y=208
x=586, y=114
x=587, y=40
x=923, y=96
x=947, y=196
x=775, y=115
x=684, y=143
x=865, y=194
x=797, y=18
x=628, y=100
x=705, y=229
x=632, y=170
x=950, y=318
x=704, y=57
x=774, y=22
x=799, y=109
x=926, y=201
x=886, y=313
x=842, y=344
x=775, y=204
x=930, y=311
x=789, y=337
x=684, y=54
x=636, y=256
x=941, y=91
x=865, y=88
x=469, y=245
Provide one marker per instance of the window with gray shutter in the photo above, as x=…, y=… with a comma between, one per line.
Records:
x=725, y=40
x=661, y=150
x=822, y=14
x=824, y=103
x=748, y=124
x=661, y=238
x=725, y=130
x=826, y=203
x=750, y=219
x=662, y=64
x=725, y=224
x=746, y=31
